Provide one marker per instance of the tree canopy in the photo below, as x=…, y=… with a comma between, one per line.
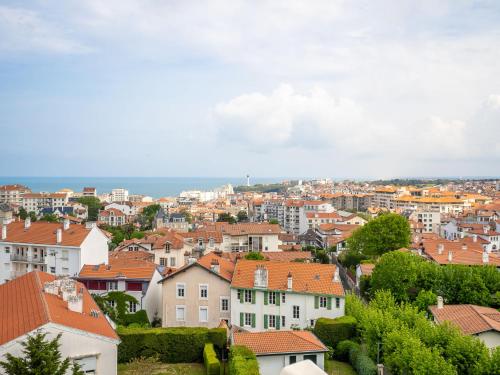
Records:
x=93, y=206
x=226, y=217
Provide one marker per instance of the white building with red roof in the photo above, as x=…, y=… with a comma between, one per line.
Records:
x=39, y=301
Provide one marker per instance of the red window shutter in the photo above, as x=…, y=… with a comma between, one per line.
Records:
x=134, y=286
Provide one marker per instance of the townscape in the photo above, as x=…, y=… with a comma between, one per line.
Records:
x=368, y=277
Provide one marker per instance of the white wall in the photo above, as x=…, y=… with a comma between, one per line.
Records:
x=94, y=249
x=491, y=338
x=152, y=300
x=272, y=364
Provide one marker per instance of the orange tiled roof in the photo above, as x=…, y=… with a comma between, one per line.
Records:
x=42, y=232
x=307, y=277
x=14, y=188
x=270, y=342
x=128, y=269
x=226, y=267
x=339, y=226
x=471, y=319
x=243, y=228
x=44, y=195
x=26, y=307
x=367, y=268
x=323, y=215
x=205, y=234
x=109, y=211
x=130, y=255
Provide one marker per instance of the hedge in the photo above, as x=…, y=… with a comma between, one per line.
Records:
x=361, y=362
x=172, y=345
x=140, y=317
x=242, y=361
x=333, y=331
x=212, y=364
x=343, y=350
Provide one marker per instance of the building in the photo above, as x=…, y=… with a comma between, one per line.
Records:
x=119, y=195
x=276, y=349
x=35, y=202
x=243, y=237
x=89, y=192
x=431, y=220
x=363, y=269
x=175, y=221
x=57, y=248
x=13, y=194
x=443, y=205
x=112, y=217
x=384, y=197
x=5, y=213
x=482, y=322
x=290, y=214
x=136, y=278
x=352, y=202
x=198, y=294
x=315, y=219
x=39, y=301
x=271, y=295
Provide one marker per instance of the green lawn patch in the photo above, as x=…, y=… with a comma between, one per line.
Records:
x=168, y=369
x=338, y=368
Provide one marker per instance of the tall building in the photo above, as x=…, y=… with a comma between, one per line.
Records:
x=119, y=195
x=13, y=194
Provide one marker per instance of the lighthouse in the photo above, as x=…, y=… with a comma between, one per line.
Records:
x=248, y=180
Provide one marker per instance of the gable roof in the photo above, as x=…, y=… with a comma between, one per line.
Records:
x=471, y=319
x=25, y=307
x=273, y=342
x=307, y=277
x=126, y=269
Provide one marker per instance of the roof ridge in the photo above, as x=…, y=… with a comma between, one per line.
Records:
x=42, y=297
x=296, y=334
x=483, y=318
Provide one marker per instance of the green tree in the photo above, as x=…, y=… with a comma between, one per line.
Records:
x=51, y=218
x=148, y=214
x=227, y=218
x=321, y=256
x=22, y=213
x=385, y=233
x=242, y=216
x=40, y=357
x=425, y=298
x=254, y=255
x=32, y=216
x=273, y=221
x=93, y=206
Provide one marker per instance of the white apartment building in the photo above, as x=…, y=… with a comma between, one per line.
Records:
x=13, y=194
x=384, y=197
x=444, y=205
x=431, y=220
x=284, y=295
x=244, y=237
x=290, y=214
x=36, y=201
x=119, y=195
x=59, y=249
x=112, y=217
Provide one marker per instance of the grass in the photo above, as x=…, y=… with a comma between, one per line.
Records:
x=165, y=369
x=338, y=368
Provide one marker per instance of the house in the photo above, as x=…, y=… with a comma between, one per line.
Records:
x=40, y=301
x=363, y=269
x=176, y=221
x=137, y=278
x=203, y=239
x=58, y=248
x=112, y=217
x=334, y=235
x=314, y=219
x=198, y=294
x=482, y=322
x=282, y=295
x=276, y=349
x=34, y=202
x=5, y=213
x=13, y=194
x=430, y=220
x=89, y=192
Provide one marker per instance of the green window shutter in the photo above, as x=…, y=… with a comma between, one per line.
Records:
x=241, y=320
x=266, y=297
x=329, y=303
x=278, y=298
x=265, y=322
x=278, y=321
x=242, y=295
x=316, y=302
x=253, y=297
x=253, y=320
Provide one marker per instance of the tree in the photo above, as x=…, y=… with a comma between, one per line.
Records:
x=93, y=206
x=32, y=216
x=254, y=255
x=385, y=233
x=148, y=214
x=425, y=298
x=227, y=218
x=51, y=218
x=22, y=213
x=41, y=357
x=242, y=216
x=321, y=256
x=273, y=221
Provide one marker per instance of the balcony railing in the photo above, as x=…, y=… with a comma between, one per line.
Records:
x=26, y=258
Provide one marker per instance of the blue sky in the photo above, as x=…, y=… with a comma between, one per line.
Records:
x=221, y=88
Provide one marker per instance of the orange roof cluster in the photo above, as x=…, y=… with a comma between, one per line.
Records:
x=43, y=195
x=111, y=212
x=126, y=269
x=471, y=319
x=244, y=228
x=206, y=235
x=323, y=215
x=270, y=342
x=443, y=200
x=44, y=233
x=25, y=307
x=307, y=277
x=14, y=187
x=338, y=226
x=126, y=256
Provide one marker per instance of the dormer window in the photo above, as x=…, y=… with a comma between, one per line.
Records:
x=167, y=247
x=200, y=241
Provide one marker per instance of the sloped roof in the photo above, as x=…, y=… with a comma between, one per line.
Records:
x=471, y=319
x=128, y=269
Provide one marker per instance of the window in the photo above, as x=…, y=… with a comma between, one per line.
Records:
x=180, y=313
x=112, y=303
x=224, y=304
x=211, y=242
x=283, y=298
x=203, y=315
x=272, y=321
x=311, y=357
x=293, y=359
x=203, y=291
x=112, y=285
x=88, y=364
x=132, y=307
x=322, y=301
x=283, y=321
x=181, y=293
x=52, y=269
x=163, y=262
x=239, y=295
x=172, y=261
x=272, y=298
x=248, y=296
x=248, y=319
x=311, y=322
x=7, y=250
x=296, y=312
x=167, y=247
x=337, y=303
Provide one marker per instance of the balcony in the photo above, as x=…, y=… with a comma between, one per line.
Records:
x=26, y=259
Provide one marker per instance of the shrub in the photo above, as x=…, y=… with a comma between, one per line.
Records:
x=172, y=345
x=343, y=350
x=140, y=317
x=332, y=331
x=242, y=361
x=361, y=362
x=218, y=337
x=212, y=364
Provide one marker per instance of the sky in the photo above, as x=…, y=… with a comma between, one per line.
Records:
x=316, y=88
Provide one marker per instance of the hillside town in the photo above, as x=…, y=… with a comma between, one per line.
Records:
x=295, y=277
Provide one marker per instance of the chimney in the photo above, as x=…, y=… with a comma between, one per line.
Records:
x=440, y=248
x=75, y=303
x=214, y=266
x=27, y=223
x=191, y=260
x=462, y=234
x=336, y=276
x=290, y=281
x=450, y=256
x=464, y=247
x=474, y=237
x=440, y=302
x=486, y=257
x=66, y=224
x=58, y=235
x=4, y=232
x=485, y=229
x=90, y=224
x=260, y=276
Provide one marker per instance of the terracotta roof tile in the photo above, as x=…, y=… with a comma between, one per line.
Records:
x=471, y=319
x=128, y=269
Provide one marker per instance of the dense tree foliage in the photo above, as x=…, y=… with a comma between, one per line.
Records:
x=51, y=218
x=242, y=216
x=254, y=255
x=147, y=216
x=273, y=221
x=227, y=218
x=124, y=232
x=93, y=206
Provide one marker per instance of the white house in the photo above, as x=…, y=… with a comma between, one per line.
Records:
x=244, y=237
x=273, y=295
x=277, y=349
x=38, y=301
x=59, y=249
x=112, y=217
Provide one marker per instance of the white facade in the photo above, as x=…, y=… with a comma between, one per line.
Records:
x=97, y=354
x=273, y=364
x=119, y=195
x=250, y=242
x=35, y=202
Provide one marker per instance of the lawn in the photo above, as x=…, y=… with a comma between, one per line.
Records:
x=338, y=368
x=165, y=369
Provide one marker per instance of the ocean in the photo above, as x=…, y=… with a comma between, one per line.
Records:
x=155, y=187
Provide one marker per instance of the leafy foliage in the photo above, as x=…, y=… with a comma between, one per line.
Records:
x=242, y=216
x=212, y=364
x=51, y=218
x=332, y=331
x=119, y=313
x=242, y=361
x=254, y=255
x=227, y=218
x=343, y=349
x=93, y=206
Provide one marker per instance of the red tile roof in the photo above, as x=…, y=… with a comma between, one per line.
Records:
x=25, y=307
x=271, y=342
x=471, y=319
x=226, y=267
x=307, y=277
x=127, y=269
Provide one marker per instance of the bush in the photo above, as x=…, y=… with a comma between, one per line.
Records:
x=212, y=364
x=361, y=362
x=332, y=331
x=218, y=337
x=343, y=350
x=172, y=345
x=242, y=361
x=138, y=318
